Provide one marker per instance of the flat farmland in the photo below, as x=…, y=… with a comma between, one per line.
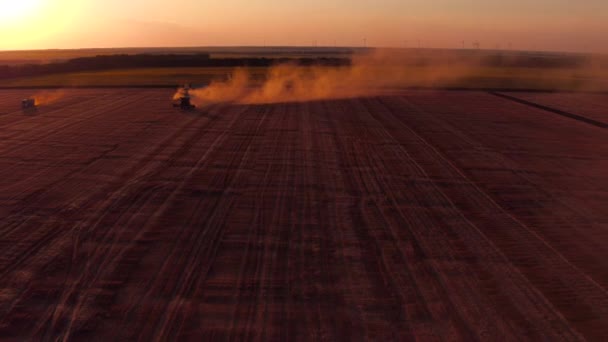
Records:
x=427, y=215
x=593, y=106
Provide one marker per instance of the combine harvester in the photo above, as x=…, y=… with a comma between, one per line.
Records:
x=28, y=103
x=183, y=101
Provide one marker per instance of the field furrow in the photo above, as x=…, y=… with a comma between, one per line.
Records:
x=418, y=215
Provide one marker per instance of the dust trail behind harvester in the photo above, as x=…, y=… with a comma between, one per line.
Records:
x=367, y=75
x=48, y=97
x=380, y=70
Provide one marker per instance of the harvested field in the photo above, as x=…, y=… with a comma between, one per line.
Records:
x=593, y=106
x=425, y=214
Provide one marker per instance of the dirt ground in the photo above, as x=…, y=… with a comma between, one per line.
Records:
x=425, y=214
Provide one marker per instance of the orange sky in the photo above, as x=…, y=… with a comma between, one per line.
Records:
x=561, y=25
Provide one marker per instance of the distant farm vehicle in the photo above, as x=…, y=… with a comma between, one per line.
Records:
x=183, y=99
x=28, y=103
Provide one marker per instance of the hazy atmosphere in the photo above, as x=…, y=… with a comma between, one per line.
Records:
x=555, y=25
x=336, y=170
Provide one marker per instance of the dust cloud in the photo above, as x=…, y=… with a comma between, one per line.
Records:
x=48, y=97
x=381, y=70
x=367, y=75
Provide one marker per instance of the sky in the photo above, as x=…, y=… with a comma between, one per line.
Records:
x=552, y=25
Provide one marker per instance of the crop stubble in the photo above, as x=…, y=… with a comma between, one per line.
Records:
x=420, y=215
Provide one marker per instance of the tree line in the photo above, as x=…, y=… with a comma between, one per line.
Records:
x=109, y=62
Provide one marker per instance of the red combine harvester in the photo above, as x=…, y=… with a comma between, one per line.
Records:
x=183, y=101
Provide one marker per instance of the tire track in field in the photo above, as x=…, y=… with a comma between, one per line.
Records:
x=513, y=253
x=17, y=101
x=134, y=187
x=28, y=201
x=112, y=192
x=11, y=188
x=316, y=269
x=476, y=244
x=320, y=220
x=268, y=228
x=565, y=114
x=43, y=113
x=594, y=106
x=437, y=245
x=251, y=262
x=375, y=269
x=421, y=284
x=107, y=258
x=365, y=297
x=544, y=195
x=542, y=192
x=501, y=160
x=79, y=119
x=143, y=161
x=172, y=320
x=175, y=249
x=341, y=227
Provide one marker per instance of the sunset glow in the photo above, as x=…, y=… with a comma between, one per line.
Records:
x=272, y=170
x=13, y=12
x=558, y=25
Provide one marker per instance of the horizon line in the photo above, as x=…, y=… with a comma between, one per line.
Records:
x=324, y=47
